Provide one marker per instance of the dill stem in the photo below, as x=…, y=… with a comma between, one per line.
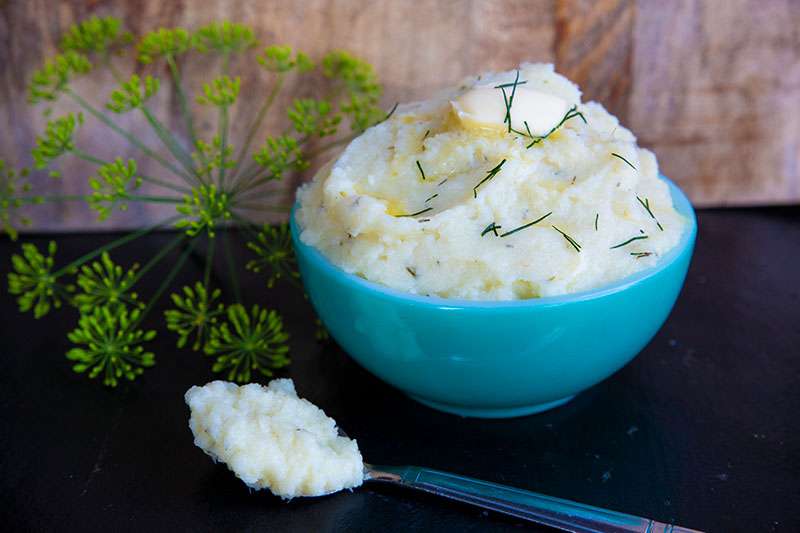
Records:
x=168, y=279
x=209, y=262
x=102, y=117
x=170, y=142
x=266, y=208
x=159, y=256
x=182, y=100
x=256, y=124
x=110, y=246
x=90, y=158
x=333, y=144
x=231, y=266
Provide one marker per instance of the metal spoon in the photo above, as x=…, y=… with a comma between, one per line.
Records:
x=538, y=508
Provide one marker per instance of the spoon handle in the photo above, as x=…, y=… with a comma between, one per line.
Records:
x=554, y=512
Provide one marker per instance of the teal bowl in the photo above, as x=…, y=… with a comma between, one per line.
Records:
x=496, y=359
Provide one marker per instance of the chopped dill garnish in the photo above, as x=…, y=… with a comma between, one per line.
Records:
x=431, y=198
x=569, y=239
x=415, y=214
x=626, y=161
x=411, y=271
x=646, y=204
x=427, y=132
x=423, y=220
x=572, y=113
x=422, y=172
x=509, y=101
x=528, y=225
x=637, y=238
x=491, y=228
x=596, y=219
x=511, y=83
x=639, y=255
x=489, y=175
x=442, y=182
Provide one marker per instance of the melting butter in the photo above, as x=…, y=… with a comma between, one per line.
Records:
x=485, y=108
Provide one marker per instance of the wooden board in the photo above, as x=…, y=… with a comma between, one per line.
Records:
x=712, y=86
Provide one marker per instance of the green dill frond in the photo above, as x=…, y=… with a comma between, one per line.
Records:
x=95, y=34
x=109, y=344
x=204, y=210
x=54, y=77
x=133, y=93
x=279, y=155
x=111, y=187
x=168, y=43
x=33, y=280
x=277, y=58
x=104, y=283
x=362, y=92
x=56, y=140
x=524, y=226
x=12, y=182
x=196, y=311
x=311, y=117
x=248, y=342
x=222, y=91
x=209, y=157
x=274, y=254
x=224, y=37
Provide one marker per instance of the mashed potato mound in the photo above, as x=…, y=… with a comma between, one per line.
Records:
x=400, y=205
x=272, y=439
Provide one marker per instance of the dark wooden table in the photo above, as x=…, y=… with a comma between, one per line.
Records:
x=702, y=429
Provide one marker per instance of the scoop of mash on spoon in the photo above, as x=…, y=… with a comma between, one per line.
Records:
x=273, y=439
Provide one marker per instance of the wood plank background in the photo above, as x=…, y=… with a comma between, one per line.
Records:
x=712, y=86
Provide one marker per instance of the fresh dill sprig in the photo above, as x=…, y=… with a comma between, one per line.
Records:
x=429, y=198
x=626, y=161
x=569, y=239
x=489, y=175
x=524, y=226
x=646, y=204
x=216, y=188
x=109, y=342
x=247, y=342
x=411, y=271
x=570, y=114
x=632, y=239
x=441, y=182
x=492, y=227
x=639, y=255
x=415, y=214
x=421, y=172
x=596, y=220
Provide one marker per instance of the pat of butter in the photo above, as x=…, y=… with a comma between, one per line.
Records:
x=484, y=107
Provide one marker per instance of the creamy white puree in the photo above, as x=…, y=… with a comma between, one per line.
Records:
x=400, y=206
x=272, y=439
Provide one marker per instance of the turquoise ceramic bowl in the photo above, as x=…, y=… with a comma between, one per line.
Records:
x=496, y=359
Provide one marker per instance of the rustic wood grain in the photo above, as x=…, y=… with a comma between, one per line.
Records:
x=712, y=86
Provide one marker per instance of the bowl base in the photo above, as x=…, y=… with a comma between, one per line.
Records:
x=492, y=412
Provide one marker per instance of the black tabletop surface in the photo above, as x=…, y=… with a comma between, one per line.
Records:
x=702, y=429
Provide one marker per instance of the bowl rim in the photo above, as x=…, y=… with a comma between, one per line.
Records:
x=679, y=200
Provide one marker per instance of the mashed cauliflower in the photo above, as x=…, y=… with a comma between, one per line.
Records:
x=440, y=200
x=272, y=439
